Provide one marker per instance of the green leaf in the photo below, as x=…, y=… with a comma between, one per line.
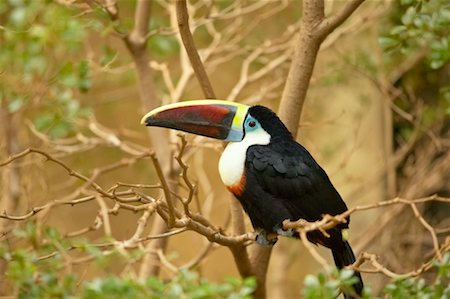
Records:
x=60, y=130
x=398, y=29
x=346, y=274
x=435, y=64
x=311, y=281
x=15, y=104
x=40, y=32
x=44, y=121
x=409, y=16
x=18, y=16
x=388, y=42
x=163, y=45
x=84, y=83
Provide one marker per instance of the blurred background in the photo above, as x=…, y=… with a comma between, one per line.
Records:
x=72, y=85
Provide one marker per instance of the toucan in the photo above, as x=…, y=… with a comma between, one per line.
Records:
x=274, y=177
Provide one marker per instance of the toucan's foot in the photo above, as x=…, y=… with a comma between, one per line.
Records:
x=266, y=240
x=290, y=233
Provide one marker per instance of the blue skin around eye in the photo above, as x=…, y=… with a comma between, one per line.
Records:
x=248, y=128
x=236, y=135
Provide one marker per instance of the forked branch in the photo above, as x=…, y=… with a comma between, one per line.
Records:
x=314, y=29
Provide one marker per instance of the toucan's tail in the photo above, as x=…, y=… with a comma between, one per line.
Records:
x=344, y=257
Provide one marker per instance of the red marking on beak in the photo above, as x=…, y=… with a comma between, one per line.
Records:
x=208, y=120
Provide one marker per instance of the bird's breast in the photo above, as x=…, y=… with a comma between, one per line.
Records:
x=232, y=163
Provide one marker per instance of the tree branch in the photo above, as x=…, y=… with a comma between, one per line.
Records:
x=306, y=48
x=166, y=189
x=313, y=30
x=332, y=22
x=142, y=15
x=189, y=45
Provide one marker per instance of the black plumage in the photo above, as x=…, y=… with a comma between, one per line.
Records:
x=283, y=181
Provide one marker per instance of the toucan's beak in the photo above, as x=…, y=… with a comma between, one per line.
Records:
x=212, y=118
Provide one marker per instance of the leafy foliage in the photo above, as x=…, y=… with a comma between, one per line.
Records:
x=419, y=288
x=328, y=285
x=41, y=64
x=185, y=285
x=420, y=28
x=44, y=272
x=422, y=24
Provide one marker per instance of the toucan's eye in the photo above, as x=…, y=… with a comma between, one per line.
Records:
x=252, y=124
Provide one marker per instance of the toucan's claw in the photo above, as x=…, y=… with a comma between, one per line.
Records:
x=266, y=240
x=290, y=233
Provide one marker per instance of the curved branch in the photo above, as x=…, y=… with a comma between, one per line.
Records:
x=189, y=45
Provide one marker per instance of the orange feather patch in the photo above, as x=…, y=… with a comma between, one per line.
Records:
x=238, y=189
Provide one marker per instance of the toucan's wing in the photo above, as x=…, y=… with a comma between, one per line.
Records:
x=289, y=173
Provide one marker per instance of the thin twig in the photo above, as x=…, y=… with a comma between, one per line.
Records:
x=167, y=193
x=191, y=187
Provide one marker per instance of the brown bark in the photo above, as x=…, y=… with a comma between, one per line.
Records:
x=10, y=181
x=260, y=258
x=300, y=72
x=314, y=29
x=189, y=46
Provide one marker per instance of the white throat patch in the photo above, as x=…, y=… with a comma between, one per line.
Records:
x=232, y=161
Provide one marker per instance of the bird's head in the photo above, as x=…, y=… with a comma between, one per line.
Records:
x=224, y=120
